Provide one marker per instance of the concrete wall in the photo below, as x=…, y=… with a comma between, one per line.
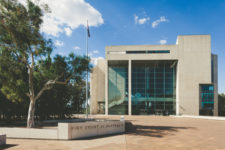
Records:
x=69, y=131
x=193, y=53
x=97, y=86
x=215, y=83
x=30, y=133
x=194, y=67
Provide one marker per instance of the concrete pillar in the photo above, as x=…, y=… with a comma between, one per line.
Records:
x=129, y=88
x=177, y=90
x=106, y=87
x=215, y=83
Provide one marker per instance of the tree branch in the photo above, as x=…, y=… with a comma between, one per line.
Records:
x=28, y=94
x=65, y=82
x=49, y=84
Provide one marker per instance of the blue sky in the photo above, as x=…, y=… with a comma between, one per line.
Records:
x=130, y=22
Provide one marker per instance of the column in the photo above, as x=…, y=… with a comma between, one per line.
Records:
x=215, y=82
x=177, y=90
x=129, y=88
x=106, y=87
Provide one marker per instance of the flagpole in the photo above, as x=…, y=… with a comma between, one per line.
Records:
x=87, y=73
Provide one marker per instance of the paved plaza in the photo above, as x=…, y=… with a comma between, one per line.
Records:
x=143, y=133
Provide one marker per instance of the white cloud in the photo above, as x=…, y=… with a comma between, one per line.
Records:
x=89, y=54
x=156, y=22
x=23, y=2
x=50, y=26
x=68, y=15
x=143, y=20
x=59, y=43
x=135, y=19
x=76, y=48
x=138, y=20
x=94, y=60
x=62, y=54
x=68, y=31
x=95, y=52
x=163, y=42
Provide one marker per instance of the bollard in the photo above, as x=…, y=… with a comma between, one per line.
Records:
x=121, y=118
x=2, y=139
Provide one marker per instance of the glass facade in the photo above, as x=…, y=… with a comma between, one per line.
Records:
x=206, y=99
x=118, y=87
x=153, y=87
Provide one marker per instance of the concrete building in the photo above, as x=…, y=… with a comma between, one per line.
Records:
x=176, y=79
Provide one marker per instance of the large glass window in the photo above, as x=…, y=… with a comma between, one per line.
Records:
x=206, y=99
x=118, y=87
x=153, y=87
x=148, y=52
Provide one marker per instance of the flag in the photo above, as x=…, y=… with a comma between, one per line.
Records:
x=88, y=31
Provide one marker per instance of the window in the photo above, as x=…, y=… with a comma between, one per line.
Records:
x=118, y=87
x=148, y=52
x=153, y=87
x=206, y=99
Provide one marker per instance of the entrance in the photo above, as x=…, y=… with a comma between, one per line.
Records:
x=154, y=87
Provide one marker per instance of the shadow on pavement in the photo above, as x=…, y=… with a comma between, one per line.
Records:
x=4, y=147
x=152, y=131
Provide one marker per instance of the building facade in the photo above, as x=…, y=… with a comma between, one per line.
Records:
x=178, y=79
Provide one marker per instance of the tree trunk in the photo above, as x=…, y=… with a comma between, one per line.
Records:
x=30, y=118
x=31, y=94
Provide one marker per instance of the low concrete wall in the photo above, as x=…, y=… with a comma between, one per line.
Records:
x=2, y=139
x=202, y=117
x=30, y=133
x=69, y=131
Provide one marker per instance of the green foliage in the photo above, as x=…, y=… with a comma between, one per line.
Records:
x=12, y=110
x=61, y=100
x=13, y=77
x=20, y=39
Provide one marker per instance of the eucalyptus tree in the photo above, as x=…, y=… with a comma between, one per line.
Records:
x=23, y=49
